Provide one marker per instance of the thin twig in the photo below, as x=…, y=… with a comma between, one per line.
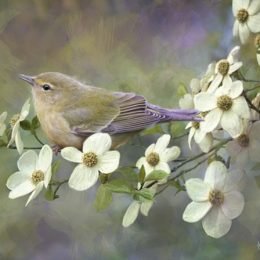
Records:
x=37, y=138
x=251, y=105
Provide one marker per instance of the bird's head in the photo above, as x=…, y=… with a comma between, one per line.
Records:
x=51, y=87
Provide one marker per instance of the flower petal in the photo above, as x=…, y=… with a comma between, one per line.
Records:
x=35, y=193
x=163, y=166
x=27, y=162
x=25, y=110
x=191, y=134
x=149, y=149
x=13, y=134
x=240, y=107
x=140, y=162
x=72, y=154
x=206, y=143
x=109, y=161
x=239, y=4
x=236, y=89
x=254, y=23
x=19, y=142
x=205, y=101
x=45, y=158
x=211, y=120
x=170, y=154
x=197, y=189
x=145, y=207
x=195, y=211
x=83, y=177
x=148, y=168
x=244, y=33
x=216, y=224
x=233, y=204
x=215, y=83
x=199, y=135
x=2, y=129
x=254, y=7
x=232, y=123
x=215, y=175
x=98, y=143
x=236, y=28
x=234, y=67
x=233, y=180
x=47, y=177
x=15, y=180
x=131, y=214
x=21, y=190
x=162, y=143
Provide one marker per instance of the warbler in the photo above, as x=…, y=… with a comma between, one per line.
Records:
x=70, y=111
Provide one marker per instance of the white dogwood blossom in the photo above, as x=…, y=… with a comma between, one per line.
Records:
x=247, y=15
x=216, y=200
x=95, y=158
x=2, y=123
x=34, y=174
x=226, y=107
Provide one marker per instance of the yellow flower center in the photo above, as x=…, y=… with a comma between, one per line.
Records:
x=223, y=67
x=242, y=15
x=37, y=177
x=257, y=41
x=153, y=159
x=216, y=197
x=14, y=119
x=196, y=125
x=224, y=102
x=90, y=159
x=243, y=140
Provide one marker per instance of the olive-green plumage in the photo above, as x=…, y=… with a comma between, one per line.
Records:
x=69, y=111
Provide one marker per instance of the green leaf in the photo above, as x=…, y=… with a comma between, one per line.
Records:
x=103, y=198
x=181, y=90
x=177, y=185
x=156, y=175
x=153, y=130
x=25, y=125
x=144, y=193
x=49, y=194
x=256, y=167
x=141, y=175
x=119, y=186
x=35, y=123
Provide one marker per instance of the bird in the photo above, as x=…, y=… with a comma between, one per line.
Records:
x=69, y=111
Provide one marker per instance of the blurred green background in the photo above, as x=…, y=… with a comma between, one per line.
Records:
x=146, y=46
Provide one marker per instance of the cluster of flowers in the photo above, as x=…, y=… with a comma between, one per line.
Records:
x=228, y=117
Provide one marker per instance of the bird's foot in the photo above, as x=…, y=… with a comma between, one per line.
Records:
x=56, y=149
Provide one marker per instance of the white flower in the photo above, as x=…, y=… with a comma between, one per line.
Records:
x=158, y=155
x=226, y=107
x=257, y=45
x=34, y=173
x=247, y=14
x=208, y=77
x=95, y=158
x=247, y=146
x=203, y=139
x=216, y=200
x=2, y=123
x=15, y=124
x=224, y=68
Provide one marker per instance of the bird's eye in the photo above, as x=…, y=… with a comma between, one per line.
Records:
x=46, y=87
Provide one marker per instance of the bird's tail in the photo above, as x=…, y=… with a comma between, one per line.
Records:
x=167, y=115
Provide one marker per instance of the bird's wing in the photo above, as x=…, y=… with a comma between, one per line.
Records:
x=134, y=114
x=91, y=113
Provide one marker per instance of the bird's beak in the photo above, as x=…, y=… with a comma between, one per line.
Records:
x=26, y=78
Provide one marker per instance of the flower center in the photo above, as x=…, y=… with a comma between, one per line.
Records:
x=216, y=197
x=224, y=102
x=223, y=67
x=243, y=140
x=196, y=125
x=242, y=15
x=37, y=177
x=14, y=119
x=153, y=159
x=90, y=159
x=203, y=114
x=257, y=41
